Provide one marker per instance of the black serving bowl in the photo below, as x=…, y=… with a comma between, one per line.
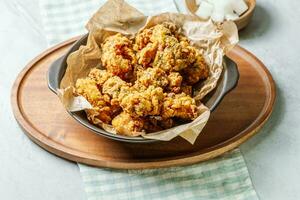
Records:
x=226, y=83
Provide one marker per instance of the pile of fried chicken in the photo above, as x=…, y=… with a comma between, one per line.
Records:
x=146, y=84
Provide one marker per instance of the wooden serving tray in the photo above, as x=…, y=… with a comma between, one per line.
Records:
x=43, y=118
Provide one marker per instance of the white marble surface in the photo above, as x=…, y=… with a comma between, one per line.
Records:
x=27, y=172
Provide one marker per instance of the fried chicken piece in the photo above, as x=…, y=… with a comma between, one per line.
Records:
x=143, y=103
x=133, y=76
x=175, y=31
x=175, y=80
x=187, y=89
x=156, y=123
x=163, y=36
x=152, y=76
x=142, y=39
x=87, y=88
x=198, y=71
x=102, y=114
x=164, y=45
x=156, y=37
x=179, y=105
x=151, y=126
x=117, y=55
x=116, y=88
x=100, y=76
x=101, y=103
x=124, y=124
x=147, y=54
x=171, y=26
x=176, y=57
x=181, y=38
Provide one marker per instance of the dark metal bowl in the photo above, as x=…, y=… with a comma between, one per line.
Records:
x=227, y=82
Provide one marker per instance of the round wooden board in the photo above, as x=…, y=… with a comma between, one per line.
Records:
x=239, y=116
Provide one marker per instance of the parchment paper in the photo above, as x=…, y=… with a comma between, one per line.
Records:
x=116, y=16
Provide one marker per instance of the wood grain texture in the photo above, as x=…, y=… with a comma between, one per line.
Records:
x=241, y=22
x=239, y=116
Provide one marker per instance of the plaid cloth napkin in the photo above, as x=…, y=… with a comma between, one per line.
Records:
x=225, y=177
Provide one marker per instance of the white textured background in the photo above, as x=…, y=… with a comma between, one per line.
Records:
x=273, y=156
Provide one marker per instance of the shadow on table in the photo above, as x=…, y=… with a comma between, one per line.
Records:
x=258, y=26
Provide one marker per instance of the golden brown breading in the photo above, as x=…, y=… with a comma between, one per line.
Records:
x=117, y=55
x=166, y=47
x=175, y=80
x=124, y=124
x=142, y=39
x=104, y=114
x=147, y=54
x=163, y=36
x=87, y=88
x=143, y=103
x=101, y=103
x=152, y=76
x=182, y=38
x=114, y=86
x=175, y=31
x=176, y=57
x=150, y=40
x=100, y=76
x=171, y=26
x=187, y=89
x=179, y=105
x=198, y=71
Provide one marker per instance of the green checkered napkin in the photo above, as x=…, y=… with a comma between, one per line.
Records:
x=226, y=177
